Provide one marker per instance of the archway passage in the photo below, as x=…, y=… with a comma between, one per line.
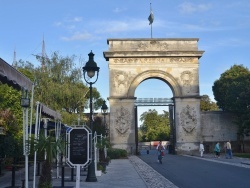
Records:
x=168, y=102
x=175, y=61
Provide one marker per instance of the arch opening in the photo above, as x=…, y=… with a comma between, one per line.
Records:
x=155, y=74
x=157, y=91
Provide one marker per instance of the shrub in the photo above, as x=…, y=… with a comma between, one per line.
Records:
x=115, y=153
x=242, y=155
x=100, y=167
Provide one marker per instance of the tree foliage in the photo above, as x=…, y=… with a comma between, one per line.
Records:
x=59, y=85
x=11, y=142
x=154, y=126
x=232, y=93
x=11, y=122
x=232, y=89
x=208, y=105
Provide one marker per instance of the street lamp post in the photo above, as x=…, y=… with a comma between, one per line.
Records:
x=90, y=68
x=104, y=113
x=25, y=103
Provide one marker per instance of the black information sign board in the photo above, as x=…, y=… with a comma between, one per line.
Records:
x=79, y=140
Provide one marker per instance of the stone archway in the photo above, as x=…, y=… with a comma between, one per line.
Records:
x=159, y=74
x=175, y=61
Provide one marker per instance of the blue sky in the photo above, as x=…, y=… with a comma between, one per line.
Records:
x=77, y=27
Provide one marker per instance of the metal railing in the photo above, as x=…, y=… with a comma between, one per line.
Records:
x=154, y=102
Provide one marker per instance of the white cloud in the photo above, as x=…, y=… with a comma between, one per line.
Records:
x=72, y=19
x=71, y=27
x=214, y=46
x=189, y=8
x=120, y=26
x=178, y=28
x=77, y=19
x=67, y=23
x=71, y=24
x=58, y=24
x=118, y=10
x=78, y=36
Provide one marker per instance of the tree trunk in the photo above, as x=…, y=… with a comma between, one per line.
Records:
x=45, y=180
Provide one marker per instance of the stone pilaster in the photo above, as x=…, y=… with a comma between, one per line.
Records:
x=188, y=124
x=122, y=124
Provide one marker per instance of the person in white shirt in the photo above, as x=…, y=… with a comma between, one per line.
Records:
x=229, y=150
x=201, y=149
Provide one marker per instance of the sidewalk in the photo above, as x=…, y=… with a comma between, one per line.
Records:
x=122, y=173
x=235, y=161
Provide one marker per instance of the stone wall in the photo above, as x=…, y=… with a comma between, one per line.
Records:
x=218, y=126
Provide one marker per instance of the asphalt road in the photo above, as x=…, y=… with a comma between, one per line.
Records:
x=188, y=172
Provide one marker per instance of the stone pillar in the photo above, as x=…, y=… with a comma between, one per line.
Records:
x=122, y=124
x=188, y=127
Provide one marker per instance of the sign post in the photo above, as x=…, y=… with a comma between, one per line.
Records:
x=78, y=150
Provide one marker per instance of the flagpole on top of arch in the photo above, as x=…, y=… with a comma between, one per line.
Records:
x=151, y=19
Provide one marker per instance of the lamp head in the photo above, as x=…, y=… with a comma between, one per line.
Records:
x=25, y=102
x=90, y=66
x=104, y=107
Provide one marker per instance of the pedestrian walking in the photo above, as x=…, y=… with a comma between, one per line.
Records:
x=229, y=150
x=201, y=149
x=217, y=150
x=160, y=152
x=225, y=149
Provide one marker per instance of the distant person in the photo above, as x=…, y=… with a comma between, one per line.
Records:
x=160, y=151
x=225, y=148
x=217, y=150
x=201, y=149
x=229, y=150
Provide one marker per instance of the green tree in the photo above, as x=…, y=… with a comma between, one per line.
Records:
x=208, y=105
x=11, y=118
x=154, y=126
x=11, y=143
x=11, y=121
x=231, y=92
x=60, y=86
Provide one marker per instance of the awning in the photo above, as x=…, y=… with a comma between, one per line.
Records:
x=50, y=113
x=9, y=75
x=50, y=126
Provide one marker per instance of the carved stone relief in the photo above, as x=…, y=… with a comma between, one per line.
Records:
x=181, y=60
x=139, y=60
x=154, y=60
x=188, y=118
x=122, y=121
x=120, y=81
x=124, y=60
x=187, y=79
x=153, y=45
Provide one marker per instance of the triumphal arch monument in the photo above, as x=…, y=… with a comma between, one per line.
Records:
x=172, y=60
